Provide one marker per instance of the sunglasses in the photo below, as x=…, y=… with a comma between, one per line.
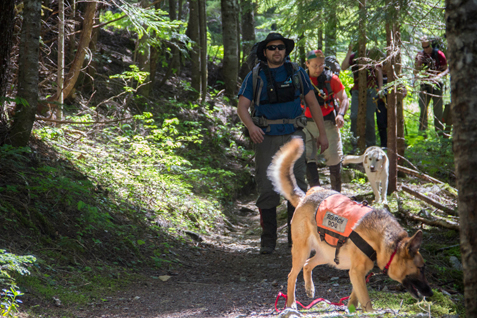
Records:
x=280, y=47
x=425, y=47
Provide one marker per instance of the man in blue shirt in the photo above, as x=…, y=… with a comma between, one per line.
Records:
x=277, y=116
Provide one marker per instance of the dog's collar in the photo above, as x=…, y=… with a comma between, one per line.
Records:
x=386, y=268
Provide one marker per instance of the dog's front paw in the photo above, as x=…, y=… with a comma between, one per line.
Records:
x=290, y=313
x=310, y=292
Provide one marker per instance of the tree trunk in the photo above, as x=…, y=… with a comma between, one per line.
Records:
x=27, y=74
x=179, y=13
x=193, y=32
x=85, y=38
x=301, y=51
x=229, y=36
x=6, y=31
x=461, y=38
x=203, y=49
x=392, y=72
x=61, y=60
x=330, y=36
x=248, y=34
x=176, y=57
x=143, y=51
x=362, y=81
x=155, y=52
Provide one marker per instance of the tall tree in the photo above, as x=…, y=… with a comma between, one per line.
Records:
x=248, y=33
x=462, y=50
x=6, y=32
x=363, y=82
x=229, y=36
x=77, y=63
x=143, y=51
x=392, y=72
x=194, y=35
x=330, y=35
x=61, y=58
x=203, y=49
x=27, y=74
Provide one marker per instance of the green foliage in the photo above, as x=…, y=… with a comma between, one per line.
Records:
x=138, y=76
x=9, y=302
x=438, y=305
x=11, y=264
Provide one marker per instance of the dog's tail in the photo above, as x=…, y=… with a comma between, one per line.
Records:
x=280, y=171
x=353, y=159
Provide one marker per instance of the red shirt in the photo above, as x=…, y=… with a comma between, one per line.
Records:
x=336, y=87
x=435, y=63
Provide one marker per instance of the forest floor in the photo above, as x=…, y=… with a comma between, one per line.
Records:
x=223, y=275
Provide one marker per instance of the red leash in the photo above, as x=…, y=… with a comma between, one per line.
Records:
x=314, y=302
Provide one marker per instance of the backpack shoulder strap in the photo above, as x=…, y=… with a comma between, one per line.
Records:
x=256, y=93
x=298, y=82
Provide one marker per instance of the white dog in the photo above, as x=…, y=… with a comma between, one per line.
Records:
x=376, y=165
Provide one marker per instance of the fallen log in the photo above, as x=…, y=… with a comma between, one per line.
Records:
x=418, y=174
x=435, y=221
x=430, y=201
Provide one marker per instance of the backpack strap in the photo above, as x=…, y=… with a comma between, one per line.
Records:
x=298, y=82
x=256, y=93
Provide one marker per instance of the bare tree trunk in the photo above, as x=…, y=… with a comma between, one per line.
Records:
x=461, y=37
x=229, y=36
x=27, y=74
x=248, y=34
x=85, y=38
x=363, y=80
x=179, y=13
x=6, y=32
x=301, y=51
x=194, y=35
x=203, y=49
x=330, y=36
x=61, y=59
x=143, y=51
x=392, y=72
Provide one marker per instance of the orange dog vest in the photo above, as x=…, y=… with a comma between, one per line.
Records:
x=335, y=217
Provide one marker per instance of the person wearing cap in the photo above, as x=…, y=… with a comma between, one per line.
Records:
x=374, y=84
x=327, y=88
x=277, y=117
x=430, y=68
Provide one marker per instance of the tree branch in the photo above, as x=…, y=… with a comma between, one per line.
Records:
x=430, y=201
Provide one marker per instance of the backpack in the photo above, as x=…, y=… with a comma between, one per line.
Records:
x=332, y=63
x=258, y=83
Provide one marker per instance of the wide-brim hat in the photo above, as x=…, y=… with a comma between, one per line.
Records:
x=289, y=45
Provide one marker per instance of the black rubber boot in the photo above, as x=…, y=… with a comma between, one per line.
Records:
x=290, y=211
x=268, y=222
x=312, y=174
x=335, y=177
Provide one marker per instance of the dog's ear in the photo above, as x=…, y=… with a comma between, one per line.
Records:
x=414, y=243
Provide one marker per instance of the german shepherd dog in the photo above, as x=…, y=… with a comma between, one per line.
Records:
x=376, y=166
x=395, y=251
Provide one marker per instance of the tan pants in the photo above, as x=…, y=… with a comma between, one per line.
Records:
x=334, y=153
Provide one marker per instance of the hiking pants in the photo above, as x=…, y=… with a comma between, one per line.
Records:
x=333, y=154
x=427, y=93
x=264, y=153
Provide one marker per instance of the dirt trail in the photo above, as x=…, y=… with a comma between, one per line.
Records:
x=224, y=276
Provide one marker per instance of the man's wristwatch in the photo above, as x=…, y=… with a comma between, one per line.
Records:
x=342, y=114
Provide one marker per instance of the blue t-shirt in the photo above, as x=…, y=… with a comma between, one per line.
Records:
x=288, y=110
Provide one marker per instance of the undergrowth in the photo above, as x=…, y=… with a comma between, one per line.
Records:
x=95, y=203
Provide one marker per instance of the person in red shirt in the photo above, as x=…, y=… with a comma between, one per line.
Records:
x=328, y=89
x=430, y=68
